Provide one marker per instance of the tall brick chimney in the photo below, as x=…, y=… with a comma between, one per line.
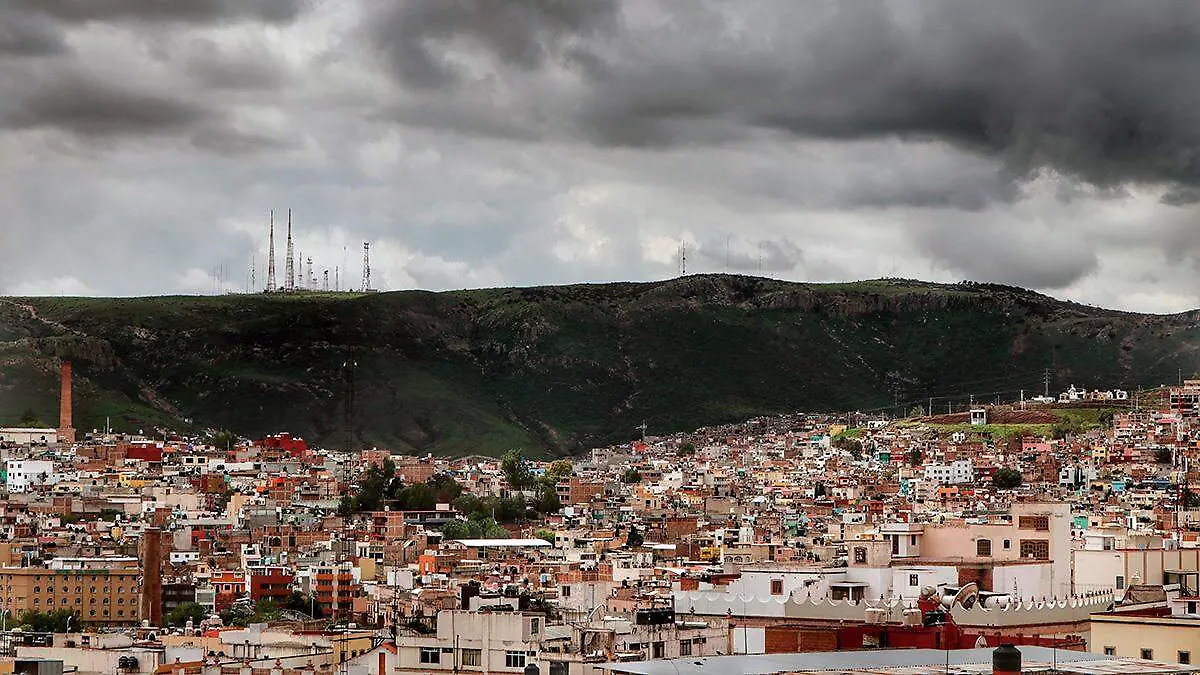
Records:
x=66, y=423
x=151, y=609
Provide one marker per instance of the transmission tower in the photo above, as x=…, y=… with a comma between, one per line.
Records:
x=683, y=258
x=271, y=256
x=309, y=280
x=366, y=267
x=289, y=278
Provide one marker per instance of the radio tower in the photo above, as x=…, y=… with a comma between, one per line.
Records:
x=271, y=256
x=366, y=271
x=289, y=274
x=310, y=280
x=683, y=258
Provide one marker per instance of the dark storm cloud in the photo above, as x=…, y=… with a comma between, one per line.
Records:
x=252, y=67
x=1104, y=92
x=524, y=34
x=90, y=108
x=27, y=35
x=157, y=11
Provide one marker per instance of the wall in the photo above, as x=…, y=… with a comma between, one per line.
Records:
x=1166, y=637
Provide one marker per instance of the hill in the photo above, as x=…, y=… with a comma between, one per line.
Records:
x=556, y=369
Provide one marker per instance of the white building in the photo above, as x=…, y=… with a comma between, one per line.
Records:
x=22, y=436
x=958, y=471
x=22, y=474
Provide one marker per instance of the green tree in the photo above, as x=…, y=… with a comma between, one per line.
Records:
x=545, y=535
x=457, y=529
x=54, y=621
x=547, y=500
x=915, y=457
x=183, y=613
x=686, y=448
x=445, y=487
x=916, y=411
x=631, y=475
x=299, y=602
x=516, y=471
x=635, y=538
x=1006, y=478
x=1163, y=455
x=559, y=470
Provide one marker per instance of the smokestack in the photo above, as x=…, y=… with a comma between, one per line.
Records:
x=1006, y=660
x=152, y=576
x=66, y=425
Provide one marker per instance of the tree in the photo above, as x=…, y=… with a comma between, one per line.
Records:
x=187, y=611
x=916, y=411
x=54, y=621
x=515, y=470
x=631, y=475
x=915, y=457
x=635, y=538
x=545, y=535
x=686, y=448
x=299, y=602
x=456, y=529
x=559, y=470
x=1007, y=478
x=1163, y=456
x=547, y=500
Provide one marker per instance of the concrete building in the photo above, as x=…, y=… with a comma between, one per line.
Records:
x=102, y=591
x=21, y=475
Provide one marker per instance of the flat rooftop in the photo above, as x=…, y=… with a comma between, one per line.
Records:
x=899, y=662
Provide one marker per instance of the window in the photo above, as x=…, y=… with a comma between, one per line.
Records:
x=1120, y=583
x=472, y=657
x=1037, y=549
x=914, y=580
x=685, y=648
x=912, y=539
x=559, y=667
x=983, y=548
x=777, y=587
x=1007, y=544
x=659, y=650
x=431, y=655
x=534, y=626
x=514, y=659
x=895, y=545
x=860, y=555
x=1033, y=522
x=1110, y=651
x=565, y=592
x=1185, y=657
x=1147, y=654
x=1191, y=607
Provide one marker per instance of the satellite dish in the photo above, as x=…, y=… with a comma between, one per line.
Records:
x=967, y=596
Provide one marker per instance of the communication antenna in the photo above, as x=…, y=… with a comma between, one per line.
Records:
x=253, y=278
x=271, y=256
x=366, y=267
x=760, y=248
x=1046, y=383
x=337, y=278
x=683, y=258
x=325, y=286
x=311, y=280
x=289, y=279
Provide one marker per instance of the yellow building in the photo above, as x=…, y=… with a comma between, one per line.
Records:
x=101, y=591
x=1169, y=639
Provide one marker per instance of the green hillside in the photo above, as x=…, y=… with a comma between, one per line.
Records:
x=556, y=369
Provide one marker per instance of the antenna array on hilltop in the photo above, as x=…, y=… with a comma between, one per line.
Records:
x=300, y=271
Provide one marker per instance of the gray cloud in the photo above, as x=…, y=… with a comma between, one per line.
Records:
x=88, y=107
x=26, y=35
x=154, y=11
x=525, y=34
x=485, y=142
x=1100, y=91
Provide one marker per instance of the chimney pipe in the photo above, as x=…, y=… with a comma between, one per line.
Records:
x=1006, y=660
x=66, y=426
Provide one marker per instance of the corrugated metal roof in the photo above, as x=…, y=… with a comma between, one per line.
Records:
x=895, y=662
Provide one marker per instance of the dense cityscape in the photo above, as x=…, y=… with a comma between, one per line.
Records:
x=1061, y=525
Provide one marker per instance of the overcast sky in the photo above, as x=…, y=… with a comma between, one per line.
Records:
x=1052, y=145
